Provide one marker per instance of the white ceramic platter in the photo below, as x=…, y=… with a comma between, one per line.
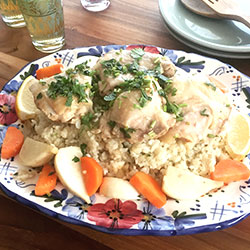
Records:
x=214, y=211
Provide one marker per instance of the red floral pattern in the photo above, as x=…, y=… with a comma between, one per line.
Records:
x=150, y=49
x=115, y=214
x=7, y=109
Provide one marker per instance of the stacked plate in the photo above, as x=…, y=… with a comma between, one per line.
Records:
x=218, y=37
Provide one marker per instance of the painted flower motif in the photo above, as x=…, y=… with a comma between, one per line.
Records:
x=170, y=54
x=187, y=64
x=77, y=207
x=150, y=49
x=155, y=219
x=115, y=214
x=32, y=71
x=96, y=51
x=113, y=47
x=183, y=221
x=7, y=109
x=12, y=86
x=99, y=50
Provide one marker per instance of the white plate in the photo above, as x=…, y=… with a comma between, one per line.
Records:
x=216, y=34
x=208, y=51
x=214, y=211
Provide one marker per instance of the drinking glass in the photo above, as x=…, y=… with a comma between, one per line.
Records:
x=45, y=22
x=11, y=13
x=95, y=5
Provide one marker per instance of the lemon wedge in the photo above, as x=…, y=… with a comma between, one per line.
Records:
x=25, y=105
x=238, y=135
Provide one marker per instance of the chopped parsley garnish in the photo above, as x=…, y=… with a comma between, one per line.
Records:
x=112, y=68
x=76, y=159
x=51, y=173
x=83, y=147
x=203, y=112
x=87, y=120
x=42, y=82
x=84, y=69
x=151, y=133
x=138, y=83
x=112, y=124
x=39, y=96
x=152, y=125
x=211, y=136
x=110, y=97
x=68, y=87
x=127, y=131
x=211, y=85
x=137, y=53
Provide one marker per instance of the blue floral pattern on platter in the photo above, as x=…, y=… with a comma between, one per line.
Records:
x=214, y=211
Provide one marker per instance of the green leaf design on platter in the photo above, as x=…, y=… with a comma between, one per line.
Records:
x=181, y=60
x=28, y=73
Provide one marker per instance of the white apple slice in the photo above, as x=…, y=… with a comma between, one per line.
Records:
x=69, y=172
x=35, y=153
x=113, y=187
x=183, y=185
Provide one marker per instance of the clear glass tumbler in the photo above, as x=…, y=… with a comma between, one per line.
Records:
x=95, y=5
x=45, y=22
x=11, y=13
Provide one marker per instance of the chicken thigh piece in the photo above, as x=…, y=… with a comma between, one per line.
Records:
x=206, y=109
x=62, y=108
x=116, y=60
x=136, y=122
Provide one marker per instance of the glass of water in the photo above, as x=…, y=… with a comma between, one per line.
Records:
x=45, y=22
x=95, y=5
x=11, y=13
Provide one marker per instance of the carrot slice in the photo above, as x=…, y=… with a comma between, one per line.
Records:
x=12, y=142
x=46, y=181
x=230, y=170
x=49, y=71
x=92, y=174
x=149, y=188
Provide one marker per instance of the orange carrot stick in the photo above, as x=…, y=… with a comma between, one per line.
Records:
x=12, y=142
x=230, y=170
x=92, y=174
x=49, y=71
x=46, y=181
x=149, y=188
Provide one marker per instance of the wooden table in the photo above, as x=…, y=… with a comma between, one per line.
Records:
x=125, y=22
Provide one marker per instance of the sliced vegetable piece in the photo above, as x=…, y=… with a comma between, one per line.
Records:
x=46, y=181
x=92, y=174
x=149, y=188
x=12, y=142
x=68, y=168
x=49, y=71
x=230, y=170
x=182, y=184
x=35, y=153
x=118, y=188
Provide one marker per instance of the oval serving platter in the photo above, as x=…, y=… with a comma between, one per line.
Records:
x=214, y=211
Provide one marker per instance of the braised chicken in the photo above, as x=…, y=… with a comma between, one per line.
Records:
x=205, y=112
x=116, y=61
x=67, y=106
x=135, y=122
